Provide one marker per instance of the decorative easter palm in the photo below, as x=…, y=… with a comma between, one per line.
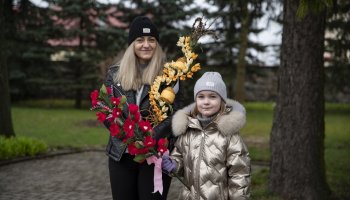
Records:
x=162, y=95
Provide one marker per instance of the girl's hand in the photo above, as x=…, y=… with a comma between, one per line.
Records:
x=168, y=164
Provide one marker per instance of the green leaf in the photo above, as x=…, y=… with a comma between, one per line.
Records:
x=138, y=145
x=103, y=95
x=122, y=102
x=103, y=90
x=129, y=140
x=171, y=109
x=139, y=158
x=100, y=110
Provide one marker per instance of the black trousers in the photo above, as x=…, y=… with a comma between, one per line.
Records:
x=134, y=181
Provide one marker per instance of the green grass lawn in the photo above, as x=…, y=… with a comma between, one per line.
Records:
x=66, y=127
x=60, y=127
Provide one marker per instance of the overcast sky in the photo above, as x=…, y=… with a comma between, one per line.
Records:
x=270, y=36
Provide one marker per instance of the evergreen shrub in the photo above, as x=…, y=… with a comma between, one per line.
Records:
x=16, y=147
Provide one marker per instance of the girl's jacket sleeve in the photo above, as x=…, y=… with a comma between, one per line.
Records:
x=238, y=165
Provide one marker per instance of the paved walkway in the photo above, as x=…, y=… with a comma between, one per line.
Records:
x=79, y=176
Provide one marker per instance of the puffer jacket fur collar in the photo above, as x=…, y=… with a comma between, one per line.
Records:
x=227, y=124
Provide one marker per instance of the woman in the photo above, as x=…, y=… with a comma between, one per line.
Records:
x=141, y=63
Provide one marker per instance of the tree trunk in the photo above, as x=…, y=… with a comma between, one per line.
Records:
x=230, y=35
x=78, y=90
x=6, y=127
x=241, y=66
x=297, y=168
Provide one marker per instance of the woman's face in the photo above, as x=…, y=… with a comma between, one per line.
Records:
x=208, y=103
x=144, y=48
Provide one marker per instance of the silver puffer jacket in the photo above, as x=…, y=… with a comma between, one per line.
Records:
x=214, y=161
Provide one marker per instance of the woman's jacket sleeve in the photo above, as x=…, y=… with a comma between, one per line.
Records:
x=108, y=83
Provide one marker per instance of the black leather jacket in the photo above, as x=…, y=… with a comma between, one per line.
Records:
x=115, y=147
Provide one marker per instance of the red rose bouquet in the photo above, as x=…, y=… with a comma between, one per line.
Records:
x=135, y=133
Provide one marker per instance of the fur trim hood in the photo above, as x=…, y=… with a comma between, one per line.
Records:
x=229, y=123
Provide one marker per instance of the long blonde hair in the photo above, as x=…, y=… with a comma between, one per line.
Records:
x=129, y=75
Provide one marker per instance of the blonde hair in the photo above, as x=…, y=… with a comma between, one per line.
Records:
x=129, y=74
x=196, y=112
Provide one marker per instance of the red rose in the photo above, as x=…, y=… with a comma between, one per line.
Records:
x=101, y=116
x=142, y=151
x=162, y=149
x=115, y=100
x=162, y=145
x=117, y=112
x=94, y=96
x=136, y=117
x=149, y=141
x=109, y=90
x=115, y=130
x=145, y=126
x=132, y=149
x=133, y=108
x=129, y=127
x=129, y=134
x=163, y=142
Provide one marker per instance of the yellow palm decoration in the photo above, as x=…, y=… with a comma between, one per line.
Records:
x=181, y=69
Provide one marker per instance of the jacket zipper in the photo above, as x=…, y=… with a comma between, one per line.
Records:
x=198, y=165
x=120, y=92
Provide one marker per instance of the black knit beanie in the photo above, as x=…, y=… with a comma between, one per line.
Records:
x=142, y=26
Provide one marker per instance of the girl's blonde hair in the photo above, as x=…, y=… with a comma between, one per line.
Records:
x=196, y=112
x=130, y=76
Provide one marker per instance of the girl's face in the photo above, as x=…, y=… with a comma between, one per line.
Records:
x=144, y=48
x=208, y=103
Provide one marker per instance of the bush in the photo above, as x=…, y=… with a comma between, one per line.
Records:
x=15, y=147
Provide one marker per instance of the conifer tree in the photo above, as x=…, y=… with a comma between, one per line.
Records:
x=29, y=55
x=234, y=21
x=84, y=36
x=338, y=46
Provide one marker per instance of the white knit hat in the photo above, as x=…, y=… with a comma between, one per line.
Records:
x=211, y=81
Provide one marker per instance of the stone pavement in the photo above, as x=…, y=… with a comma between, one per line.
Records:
x=78, y=176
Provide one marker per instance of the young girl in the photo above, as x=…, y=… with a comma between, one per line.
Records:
x=209, y=152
